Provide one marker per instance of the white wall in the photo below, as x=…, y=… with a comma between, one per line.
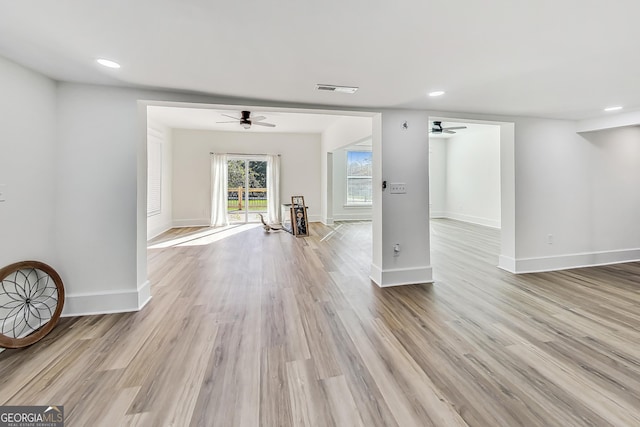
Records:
x=346, y=131
x=581, y=191
x=405, y=217
x=161, y=222
x=299, y=168
x=615, y=181
x=465, y=176
x=96, y=207
x=473, y=177
x=552, y=179
x=27, y=165
x=341, y=212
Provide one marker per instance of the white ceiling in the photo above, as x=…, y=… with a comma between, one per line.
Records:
x=544, y=58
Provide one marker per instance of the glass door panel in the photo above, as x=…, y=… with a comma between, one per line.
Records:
x=257, y=190
x=247, y=184
x=236, y=183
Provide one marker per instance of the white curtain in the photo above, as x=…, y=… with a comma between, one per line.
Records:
x=219, y=190
x=273, y=189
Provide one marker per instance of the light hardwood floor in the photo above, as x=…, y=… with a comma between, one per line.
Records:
x=267, y=329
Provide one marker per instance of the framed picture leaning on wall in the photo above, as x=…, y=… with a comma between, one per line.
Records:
x=299, y=216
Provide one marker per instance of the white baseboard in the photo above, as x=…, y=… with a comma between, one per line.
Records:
x=158, y=231
x=487, y=222
x=327, y=221
x=107, y=302
x=507, y=263
x=205, y=222
x=401, y=276
x=314, y=218
x=195, y=222
x=579, y=260
x=437, y=214
x=144, y=294
x=353, y=217
x=376, y=274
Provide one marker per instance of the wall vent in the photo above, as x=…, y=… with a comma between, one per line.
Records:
x=334, y=88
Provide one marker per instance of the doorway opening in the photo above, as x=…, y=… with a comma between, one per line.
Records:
x=471, y=180
x=247, y=196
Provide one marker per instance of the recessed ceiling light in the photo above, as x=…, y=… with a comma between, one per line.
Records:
x=613, y=108
x=107, y=63
x=436, y=93
x=334, y=88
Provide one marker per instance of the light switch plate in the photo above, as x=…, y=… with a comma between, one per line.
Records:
x=398, y=188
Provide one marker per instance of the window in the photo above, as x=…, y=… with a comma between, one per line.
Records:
x=359, y=181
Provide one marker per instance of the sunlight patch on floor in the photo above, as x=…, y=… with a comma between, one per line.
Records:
x=205, y=237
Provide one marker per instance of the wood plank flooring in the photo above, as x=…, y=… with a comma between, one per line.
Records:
x=248, y=328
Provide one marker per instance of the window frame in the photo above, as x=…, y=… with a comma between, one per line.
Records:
x=352, y=204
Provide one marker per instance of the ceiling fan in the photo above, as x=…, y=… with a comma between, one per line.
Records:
x=247, y=120
x=438, y=129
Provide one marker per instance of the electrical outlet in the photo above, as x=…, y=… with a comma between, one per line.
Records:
x=550, y=239
x=3, y=192
x=398, y=188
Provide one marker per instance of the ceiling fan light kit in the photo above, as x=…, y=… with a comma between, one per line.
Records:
x=437, y=128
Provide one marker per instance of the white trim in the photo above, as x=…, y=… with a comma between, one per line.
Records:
x=401, y=276
x=507, y=263
x=314, y=218
x=158, y=231
x=122, y=301
x=144, y=294
x=376, y=274
x=155, y=129
x=327, y=221
x=196, y=222
x=438, y=214
x=579, y=260
x=631, y=118
x=362, y=216
x=487, y=222
x=358, y=205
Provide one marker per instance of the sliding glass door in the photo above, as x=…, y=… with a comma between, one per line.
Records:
x=247, y=183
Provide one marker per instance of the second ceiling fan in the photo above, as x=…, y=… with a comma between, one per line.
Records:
x=438, y=129
x=247, y=120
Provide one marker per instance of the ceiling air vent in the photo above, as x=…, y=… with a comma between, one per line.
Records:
x=334, y=88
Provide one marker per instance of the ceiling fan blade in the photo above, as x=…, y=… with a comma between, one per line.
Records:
x=270, y=125
x=234, y=121
x=257, y=118
x=455, y=127
x=447, y=131
x=231, y=117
